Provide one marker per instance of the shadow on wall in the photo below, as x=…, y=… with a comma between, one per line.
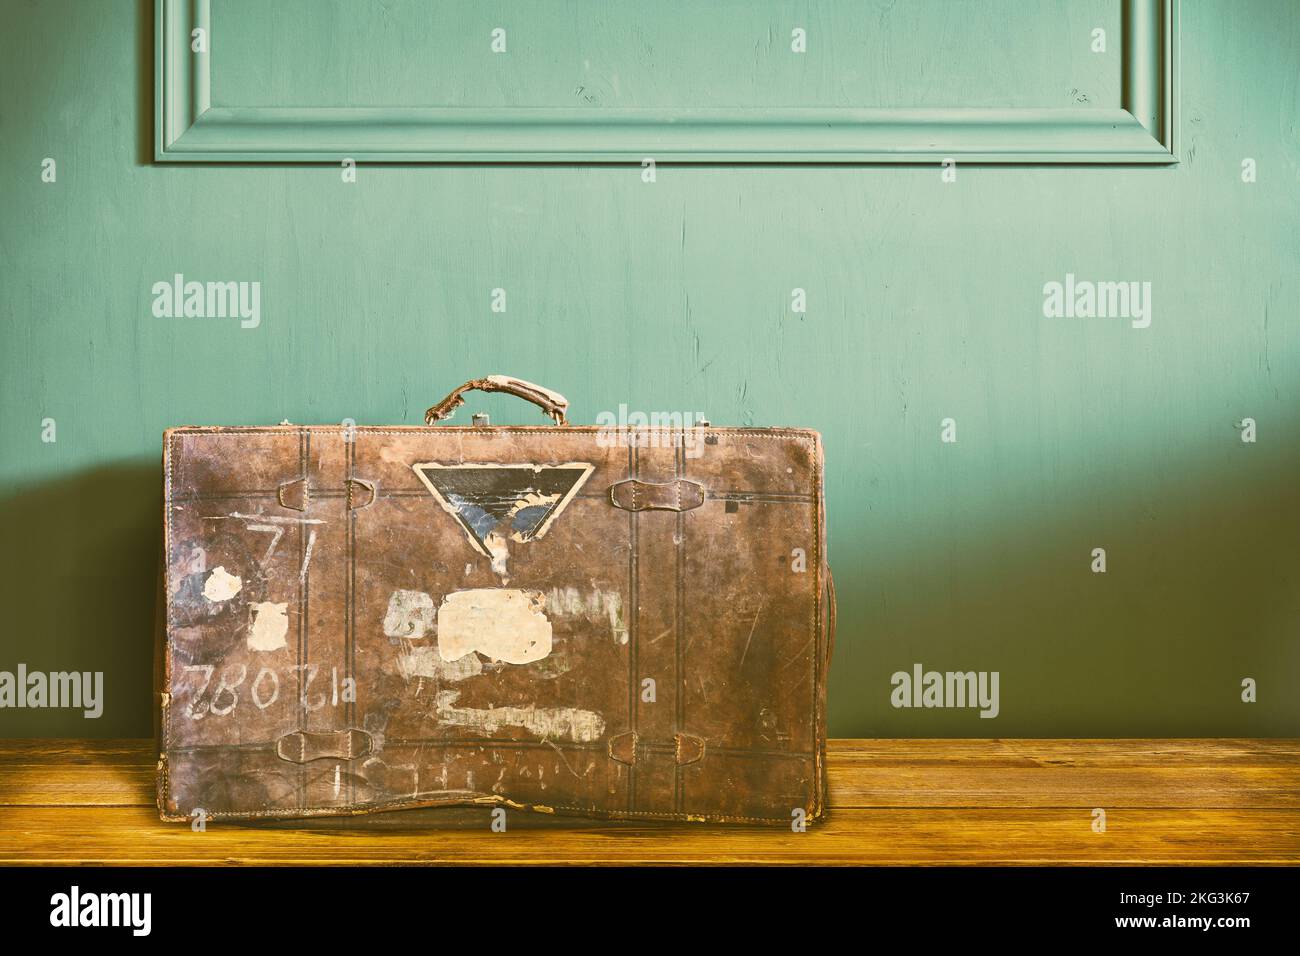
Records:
x=1201, y=590
x=78, y=583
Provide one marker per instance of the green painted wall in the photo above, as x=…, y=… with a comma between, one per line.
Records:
x=924, y=302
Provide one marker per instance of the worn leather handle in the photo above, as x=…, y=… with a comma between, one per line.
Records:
x=552, y=403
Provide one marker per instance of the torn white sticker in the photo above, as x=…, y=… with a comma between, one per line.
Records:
x=502, y=624
x=549, y=723
x=500, y=551
x=410, y=614
x=593, y=605
x=425, y=662
x=269, y=627
x=221, y=585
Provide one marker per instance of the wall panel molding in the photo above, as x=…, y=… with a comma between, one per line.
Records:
x=1143, y=130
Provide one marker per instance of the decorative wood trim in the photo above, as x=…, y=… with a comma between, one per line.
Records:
x=182, y=78
x=1143, y=130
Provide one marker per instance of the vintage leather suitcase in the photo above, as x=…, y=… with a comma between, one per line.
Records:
x=578, y=620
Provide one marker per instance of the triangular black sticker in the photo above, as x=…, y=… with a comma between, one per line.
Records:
x=518, y=502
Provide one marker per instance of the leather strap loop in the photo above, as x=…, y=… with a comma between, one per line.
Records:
x=361, y=493
x=294, y=495
x=552, y=403
x=302, y=746
x=636, y=495
x=622, y=747
x=687, y=748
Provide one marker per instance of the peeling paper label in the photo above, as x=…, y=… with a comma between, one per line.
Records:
x=550, y=723
x=410, y=615
x=269, y=627
x=425, y=662
x=593, y=606
x=502, y=624
x=221, y=585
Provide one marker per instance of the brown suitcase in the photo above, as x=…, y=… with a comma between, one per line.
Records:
x=625, y=623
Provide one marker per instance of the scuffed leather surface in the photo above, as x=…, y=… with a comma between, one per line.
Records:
x=706, y=602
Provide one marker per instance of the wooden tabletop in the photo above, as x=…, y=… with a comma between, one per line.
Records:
x=894, y=802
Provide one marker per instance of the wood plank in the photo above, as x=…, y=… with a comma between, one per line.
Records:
x=133, y=836
x=1227, y=773
x=1050, y=749
x=77, y=772
x=1205, y=773
x=895, y=802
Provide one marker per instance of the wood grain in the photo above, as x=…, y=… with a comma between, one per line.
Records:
x=895, y=802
